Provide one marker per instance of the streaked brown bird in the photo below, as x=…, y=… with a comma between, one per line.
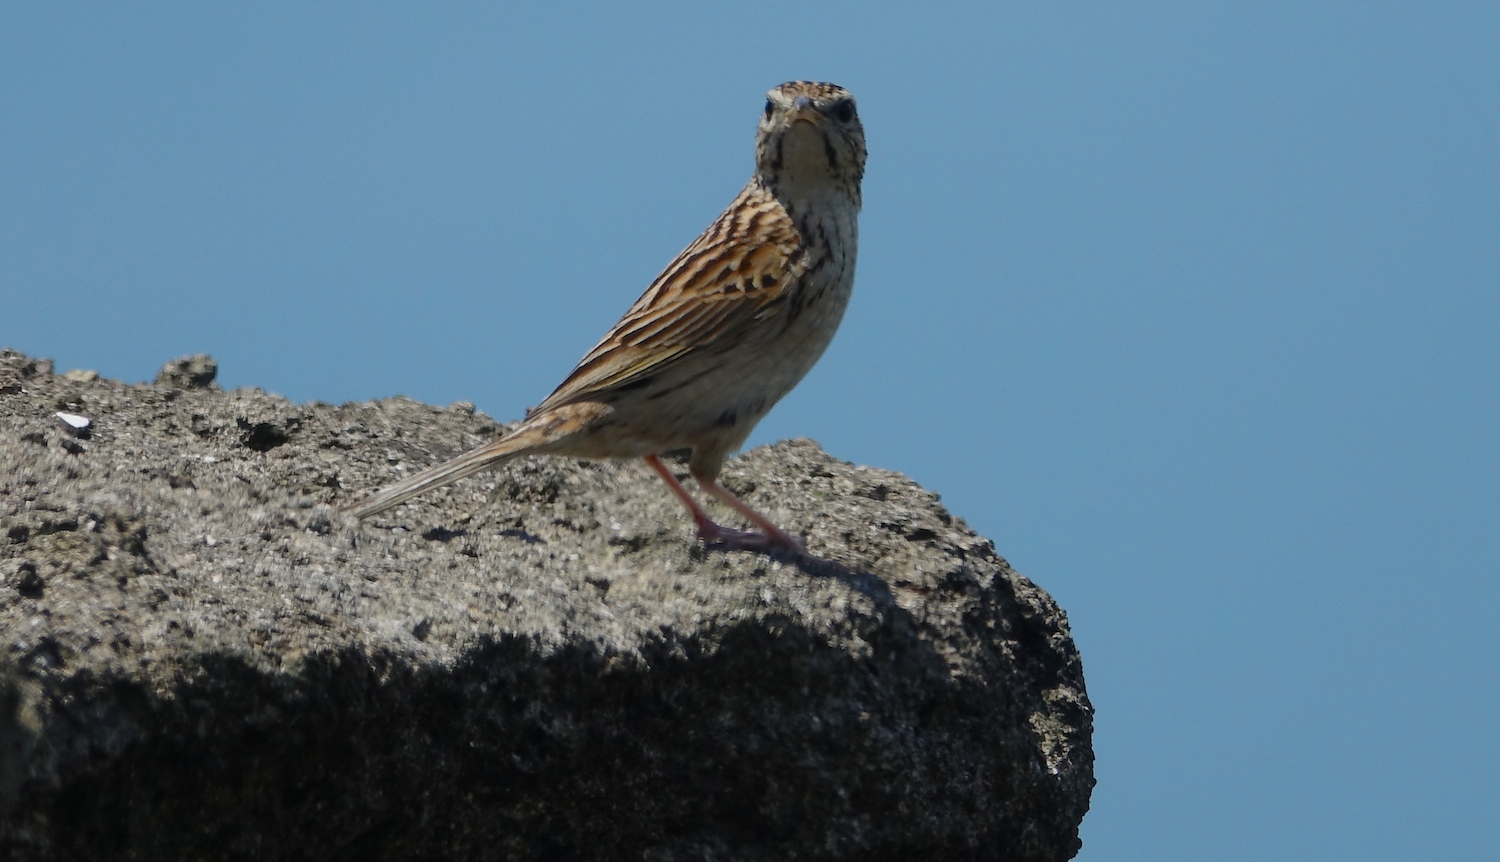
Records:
x=725, y=331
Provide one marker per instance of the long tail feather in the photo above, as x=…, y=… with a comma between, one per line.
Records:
x=543, y=431
x=467, y=464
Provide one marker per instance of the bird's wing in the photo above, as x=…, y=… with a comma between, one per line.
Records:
x=735, y=276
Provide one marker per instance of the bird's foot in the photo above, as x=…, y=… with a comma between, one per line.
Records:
x=769, y=539
x=723, y=538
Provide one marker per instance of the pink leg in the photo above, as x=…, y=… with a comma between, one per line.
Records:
x=772, y=537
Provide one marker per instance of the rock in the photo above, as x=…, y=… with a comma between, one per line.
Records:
x=189, y=372
x=200, y=659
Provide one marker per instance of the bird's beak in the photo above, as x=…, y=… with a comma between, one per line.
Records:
x=802, y=109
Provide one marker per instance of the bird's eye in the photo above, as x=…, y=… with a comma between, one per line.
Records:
x=770, y=108
x=844, y=111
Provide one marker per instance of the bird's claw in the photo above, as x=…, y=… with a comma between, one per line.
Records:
x=721, y=538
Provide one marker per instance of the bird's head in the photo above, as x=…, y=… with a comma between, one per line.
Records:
x=810, y=138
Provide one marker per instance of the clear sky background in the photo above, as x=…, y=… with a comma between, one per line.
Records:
x=1192, y=307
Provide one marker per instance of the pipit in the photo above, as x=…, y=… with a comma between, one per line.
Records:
x=725, y=331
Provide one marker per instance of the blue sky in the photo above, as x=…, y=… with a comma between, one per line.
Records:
x=1191, y=307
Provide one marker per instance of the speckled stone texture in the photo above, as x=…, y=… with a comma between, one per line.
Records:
x=199, y=659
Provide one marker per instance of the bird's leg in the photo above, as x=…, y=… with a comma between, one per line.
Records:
x=771, y=537
x=705, y=524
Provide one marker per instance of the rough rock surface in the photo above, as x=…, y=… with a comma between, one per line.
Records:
x=200, y=659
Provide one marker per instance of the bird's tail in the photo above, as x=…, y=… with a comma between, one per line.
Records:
x=538, y=434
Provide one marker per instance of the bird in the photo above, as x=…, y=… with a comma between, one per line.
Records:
x=728, y=328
